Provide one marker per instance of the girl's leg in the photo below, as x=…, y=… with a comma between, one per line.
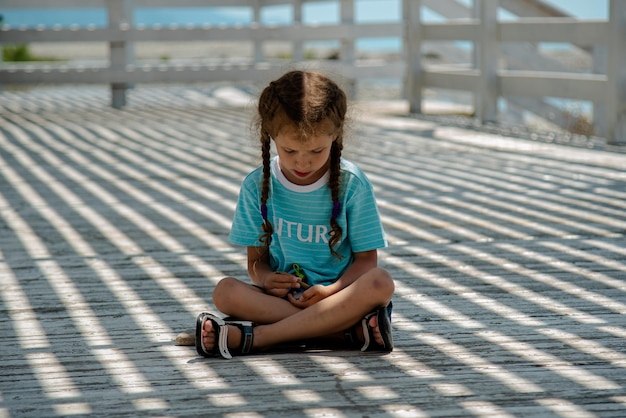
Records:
x=334, y=314
x=238, y=299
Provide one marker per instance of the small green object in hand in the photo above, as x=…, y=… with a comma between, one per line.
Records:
x=300, y=273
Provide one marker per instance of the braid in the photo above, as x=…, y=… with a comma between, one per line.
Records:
x=266, y=237
x=333, y=184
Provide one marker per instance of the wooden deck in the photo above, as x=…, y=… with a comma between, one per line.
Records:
x=509, y=256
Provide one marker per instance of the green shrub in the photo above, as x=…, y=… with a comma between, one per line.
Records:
x=16, y=53
x=21, y=53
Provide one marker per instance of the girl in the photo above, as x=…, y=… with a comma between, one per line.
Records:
x=311, y=227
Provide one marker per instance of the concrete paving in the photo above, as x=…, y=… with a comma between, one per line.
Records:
x=508, y=254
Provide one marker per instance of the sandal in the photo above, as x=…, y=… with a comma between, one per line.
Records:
x=221, y=329
x=384, y=326
x=188, y=337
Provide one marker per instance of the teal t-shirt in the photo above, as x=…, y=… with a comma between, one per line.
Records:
x=300, y=216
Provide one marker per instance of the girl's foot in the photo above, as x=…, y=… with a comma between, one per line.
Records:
x=357, y=331
x=209, y=336
x=378, y=337
x=217, y=337
x=374, y=331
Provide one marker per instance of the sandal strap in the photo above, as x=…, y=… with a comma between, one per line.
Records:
x=368, y=334
x=223, y=341
x=247, y=335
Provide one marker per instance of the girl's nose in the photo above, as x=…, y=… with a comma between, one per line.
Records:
x=302, y=162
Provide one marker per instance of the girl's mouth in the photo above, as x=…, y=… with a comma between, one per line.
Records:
x=300, y=174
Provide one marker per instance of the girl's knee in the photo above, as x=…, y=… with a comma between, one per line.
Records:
x=380, y=282
x=224, y=289
x=387, y=281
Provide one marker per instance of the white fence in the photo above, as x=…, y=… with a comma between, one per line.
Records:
x=485, y=77
x=606, y=40
x=123, y=70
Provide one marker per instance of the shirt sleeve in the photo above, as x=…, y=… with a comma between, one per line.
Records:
x=365, y=228
x=247, y=222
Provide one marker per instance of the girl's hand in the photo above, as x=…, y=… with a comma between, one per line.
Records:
x=310, y=296
x=279, y=283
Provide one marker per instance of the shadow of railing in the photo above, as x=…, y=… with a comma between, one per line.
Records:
x=508, y=257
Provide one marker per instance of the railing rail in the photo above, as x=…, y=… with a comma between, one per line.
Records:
x=487, y=78
x=488, y=82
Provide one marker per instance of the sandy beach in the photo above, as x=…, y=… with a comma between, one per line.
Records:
x=197, y=50
x=144, y=50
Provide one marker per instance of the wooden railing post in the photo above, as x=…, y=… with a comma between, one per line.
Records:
x=616, y=74
x=347, y=55
x=599, y=60
x=258, y=45
x=298, y=46
x=488, y=51
x=121, y=53
x=413, y=83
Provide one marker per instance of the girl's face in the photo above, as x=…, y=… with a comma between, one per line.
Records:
x=303, y=162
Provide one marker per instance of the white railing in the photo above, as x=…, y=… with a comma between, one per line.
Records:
x=120, y=34
x=488, y=81
x=486, y=78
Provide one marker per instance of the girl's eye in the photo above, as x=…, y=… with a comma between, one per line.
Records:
x=289, y=151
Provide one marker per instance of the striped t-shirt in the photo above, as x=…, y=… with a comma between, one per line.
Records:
x=300, y=216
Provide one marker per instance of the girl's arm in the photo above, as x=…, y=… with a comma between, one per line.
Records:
x=258, y=265
x=363, y=262
x=261, y=274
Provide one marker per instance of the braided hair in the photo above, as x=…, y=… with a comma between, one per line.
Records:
x=307, y=101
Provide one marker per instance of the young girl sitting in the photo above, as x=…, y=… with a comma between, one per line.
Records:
x=311, y=226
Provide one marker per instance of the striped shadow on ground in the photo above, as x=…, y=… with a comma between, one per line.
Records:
x=508, y=256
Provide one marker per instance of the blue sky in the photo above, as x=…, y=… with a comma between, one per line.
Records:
x=584, y=9
x=390, y=10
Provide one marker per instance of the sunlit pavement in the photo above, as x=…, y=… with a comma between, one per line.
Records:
x=509, y=257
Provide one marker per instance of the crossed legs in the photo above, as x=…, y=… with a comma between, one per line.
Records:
x=279, y=321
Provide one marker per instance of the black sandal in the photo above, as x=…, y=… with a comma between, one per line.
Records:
x=221, y=329
x=384, y=326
